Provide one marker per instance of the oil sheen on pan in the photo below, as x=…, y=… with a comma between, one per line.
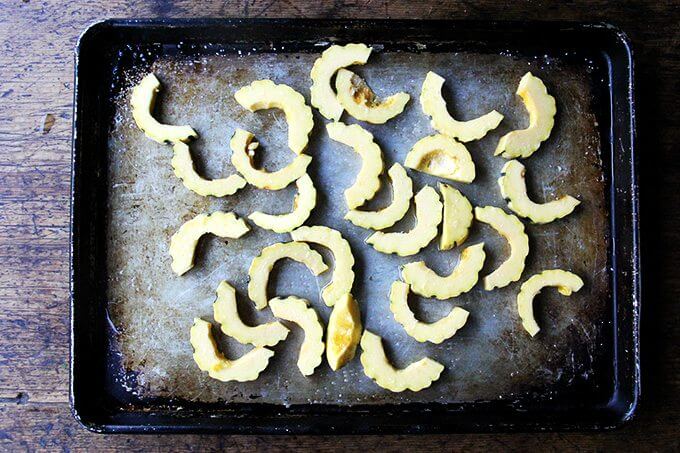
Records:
x=491, y=358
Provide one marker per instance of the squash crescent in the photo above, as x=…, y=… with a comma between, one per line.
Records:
x=304, y=202
x=357, y=98
x=457, y=217
x=343, y=332
x=442, y=156
x=184, y=169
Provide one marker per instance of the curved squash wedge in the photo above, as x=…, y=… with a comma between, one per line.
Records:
x=183, y=167
x=439, y=155
x=304, y=202
x=457, y=217
x=343, y=332
x=357, y=98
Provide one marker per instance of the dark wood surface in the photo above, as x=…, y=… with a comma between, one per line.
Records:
x=36, y=90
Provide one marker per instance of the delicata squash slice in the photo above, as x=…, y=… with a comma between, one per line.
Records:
x=434, y=332
x=361, y=141
x=402, y=191
x=265, y=94
x=566, y=283
x=343, y=275
x=263, y=264
x=457, y=217
x=243, y=148
x=183, y=166
x=357, y=98
x=332, y=59
x=434, y=105
x=142, y=100
x=512, y=229
x=295, y=310
x=304, y=202
x=542, y=110
x=343, y=332
x=415, y=377
x=208, y=358
x=514, y=190
x=442, y=156
x=425, y=282
x=428, y=217
x=183, y=242
x=225, y=312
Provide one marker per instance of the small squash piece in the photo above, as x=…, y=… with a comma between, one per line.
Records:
x=542, y=109
x=435, y=332
x=332, y=59
x=361, y=103
x=415, y=377
x=183, y=242
x=441, y=156
x=434, y=105
x=566, y=283
x=304, y=202
x=142, y=101
x=208, y=358
x=295, y=310
x=263, y=264
x=343, y=332
x=183, y=166
x=457, y=217
x=428, y=217
x=402, y=191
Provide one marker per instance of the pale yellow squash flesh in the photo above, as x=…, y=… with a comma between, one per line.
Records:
x=357, y=98
x=304, y=202
x=343, y=332
x=457, y=217
x=442, y=156
x=183, y=167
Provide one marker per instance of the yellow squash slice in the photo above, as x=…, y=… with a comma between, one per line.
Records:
x=402, y=191
x=360, y=101
x=226, y=315
x=304, y=202
x=542, y=110
x=263, y=264
x=514, y=190
x=242, y=147
x=183, y=166
x=442, y=156
x=361, y=141
x=415, y=377
x=512, y=229
x=425, y=282
x=332, y=59
x=566, y=283
x=457, y=217
x=343, y=275
x=435, y=332
x=265, y=94
x=142, y=101
x=208, y=358
x=183, y=242
x=295, y=310
x=343, y=332
x=428, y=217
x=434, y=105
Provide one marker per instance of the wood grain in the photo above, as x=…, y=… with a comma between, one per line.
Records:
x=36, y=91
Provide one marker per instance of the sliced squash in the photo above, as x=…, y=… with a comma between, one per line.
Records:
x=265, y=94
x=361, y=141
x=183, y=166
x=226, y=315
x=425, y=282
x=542, y=109
x=295, y=310
x=243, y=147
x=402, y=191
x=434, y=105
x=428, y=217
x=142, y=101
x=514, y=190
x=332, y=59
x=442, y=156
x=183, y=242
x=434, y=332
x=415, y=377
x=566, y=283
x=208, y=358
x=304, y=202
x=343, y=332
x=512, y=229
x=343, y=275
x=357, y=98
x=457, y=217
x=263, y=264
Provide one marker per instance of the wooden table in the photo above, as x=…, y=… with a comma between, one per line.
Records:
x=36, y=92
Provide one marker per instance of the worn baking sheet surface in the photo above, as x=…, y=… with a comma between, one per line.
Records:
x=491, y=357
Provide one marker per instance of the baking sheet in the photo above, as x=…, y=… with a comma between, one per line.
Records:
x=490, y=358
